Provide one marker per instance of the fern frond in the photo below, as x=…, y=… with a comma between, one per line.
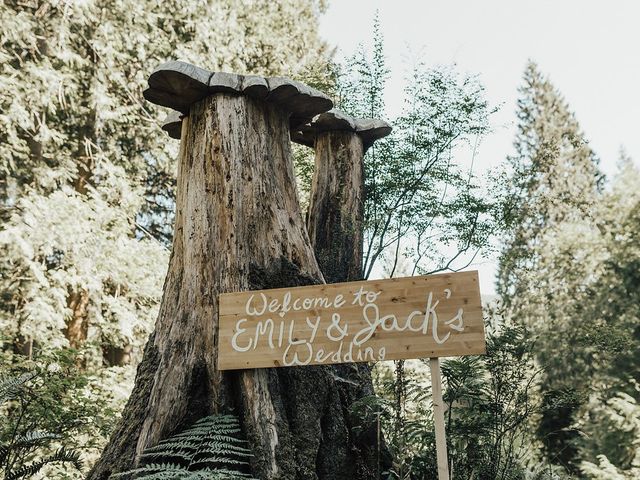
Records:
x=222, y=473
x=34, y=438
x=191, y=443
x=4, y=453
x=226, y=438
x=10, y=386
x=226, y=449
x=61, y=456
x=165, y=475
x=210, y=449
x=172, y=454
x=153, y=468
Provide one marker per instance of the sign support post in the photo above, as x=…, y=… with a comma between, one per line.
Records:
x=438, y=419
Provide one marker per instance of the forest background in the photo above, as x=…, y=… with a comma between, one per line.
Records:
x=86, y=197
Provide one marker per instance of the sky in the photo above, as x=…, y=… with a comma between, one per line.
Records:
x=589, y=49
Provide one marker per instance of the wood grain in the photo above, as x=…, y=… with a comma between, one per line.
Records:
x=438, y=419
x=392, y=319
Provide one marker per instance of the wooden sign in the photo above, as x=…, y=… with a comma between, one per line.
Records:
x=416, y=317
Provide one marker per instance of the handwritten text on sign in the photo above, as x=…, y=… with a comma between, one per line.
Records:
x=415, y=317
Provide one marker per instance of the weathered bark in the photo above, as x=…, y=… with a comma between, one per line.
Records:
x=238, y=227
x=335, y=225
x=336, y=207
x=335, y=220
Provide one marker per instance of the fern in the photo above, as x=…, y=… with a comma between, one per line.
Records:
x=11, y=386
x=211, y=449
x=61, y=456
x=22, y=443
x=34, y=438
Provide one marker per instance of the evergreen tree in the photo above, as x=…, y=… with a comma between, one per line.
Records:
x=87, y=175
x=610, y=419
x=552, y=177
x=551, y=189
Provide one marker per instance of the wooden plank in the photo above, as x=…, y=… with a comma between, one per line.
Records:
x=438, y=419
x=392, y=319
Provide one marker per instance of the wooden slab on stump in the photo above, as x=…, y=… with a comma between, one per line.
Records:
x=178, y=85
x=368, y=129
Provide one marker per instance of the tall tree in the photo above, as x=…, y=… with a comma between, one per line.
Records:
x=83, y=156
x=552, y=181
x=607, y=333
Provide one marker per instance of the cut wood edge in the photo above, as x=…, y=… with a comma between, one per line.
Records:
x=178, y=85
x=368, y=129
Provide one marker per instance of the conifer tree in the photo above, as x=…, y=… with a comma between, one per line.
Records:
x=553, y=182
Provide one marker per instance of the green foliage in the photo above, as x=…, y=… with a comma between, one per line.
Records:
x=49, y=416
x=421, y=202
x=568, y=272
x=65, y=244
x=491, y=402
x=549, y=194
x=87, y=176
x=212, y=448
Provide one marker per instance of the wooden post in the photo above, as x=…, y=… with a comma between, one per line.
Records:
x=438, y=419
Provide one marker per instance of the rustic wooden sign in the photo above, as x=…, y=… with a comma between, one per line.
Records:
x=416, y=317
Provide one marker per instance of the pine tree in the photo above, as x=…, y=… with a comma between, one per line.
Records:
x=553, y=177
x=610, y=418
x=551, y=190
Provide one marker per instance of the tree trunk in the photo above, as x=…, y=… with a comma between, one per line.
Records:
x=238, y=227
x=335, y=225
x=336, y=207
x=78, y=324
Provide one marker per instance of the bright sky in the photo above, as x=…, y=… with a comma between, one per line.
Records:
x=590, y=49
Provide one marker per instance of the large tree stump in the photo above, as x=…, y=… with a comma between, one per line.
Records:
x=238, y=227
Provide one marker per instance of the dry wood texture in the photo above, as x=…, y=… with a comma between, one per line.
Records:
x=335, y=225
x=393, y=319
x=368, y=129
x=238, y=227
x=336, y=206
x=438, y=419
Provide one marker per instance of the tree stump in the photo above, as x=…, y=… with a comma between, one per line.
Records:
x=335, y=225
x=336, y=207
x=238, y=227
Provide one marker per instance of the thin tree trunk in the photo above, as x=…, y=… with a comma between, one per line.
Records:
x=336, y=206
x=335, y=225
x=238, y=227
x=78, y=324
